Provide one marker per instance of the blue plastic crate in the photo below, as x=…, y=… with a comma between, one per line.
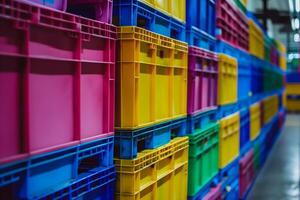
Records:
x=244, y=127
x=226, y=110
x=201, y=120
x=202, y=15
x=293, y=77
x=205, y=189
x=99, y=184
x=232, y=191
x=128, y=142
x=256, y=76
x=34, y=175
x=229, y=173
x=136, y=13
x=199, y=38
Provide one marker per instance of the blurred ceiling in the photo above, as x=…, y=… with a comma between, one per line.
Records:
x=278, y=17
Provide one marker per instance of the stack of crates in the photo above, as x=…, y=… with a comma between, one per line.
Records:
x=151, y=100
x=293, y=91
x=57, y=103
x=182, y=99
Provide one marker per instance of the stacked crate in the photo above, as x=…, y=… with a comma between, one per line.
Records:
x=151, y=100
x=293, y=91
x=202, y=126
x=57, y=103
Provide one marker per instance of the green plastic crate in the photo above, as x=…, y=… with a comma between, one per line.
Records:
x=240, y=6
x=203, y=157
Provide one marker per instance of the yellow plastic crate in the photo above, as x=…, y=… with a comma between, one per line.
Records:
x=284, y=99
x=227, y=82
x=270, y=108
x=255, y=121
x=293, y=89
x=293, y=105
x=282, y=62
x=151, y=78
x=173, y=8
x=256, y=40
x=229, y=139
x=155, y=174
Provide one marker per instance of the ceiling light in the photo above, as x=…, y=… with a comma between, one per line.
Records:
x=296, y=22
x=291, y=4
x=297, y=5
x=293, y=24
x=296, y=37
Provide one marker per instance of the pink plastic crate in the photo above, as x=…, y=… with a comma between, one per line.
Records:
x=232, y=25
x=57, y=79
x=100, y=10
x=202, y=80
x=57, y=4
x=246, y=172
x=215, y=193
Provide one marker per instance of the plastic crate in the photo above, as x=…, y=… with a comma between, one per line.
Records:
x=155, y=173
x=244, y=127
x=227, y=175
x=152, y=78
x=202, y=15
x=232, y=191
x=215, y=193
x=293, y=77
x=144, y=15
x=201, y=120
x=227, y=82
x=33, y=175
x=293, y=105
x=129, y=142
x=293, y=89
x=56, y=4
x=256, y=76
x=232, y=25
x=273, y=78
x=256, y=156
x=255, y=121
x=201, y=23
x=72, y=67
x=100, y=10
x=224, y=111
x=270, y=108
x=256, y=40
x=203, y=158
x=246, y=173
x=202, y=80
x=229, y=137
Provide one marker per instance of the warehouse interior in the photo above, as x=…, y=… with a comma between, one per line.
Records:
x=149, y=99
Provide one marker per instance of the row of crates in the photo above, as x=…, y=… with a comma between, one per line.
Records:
x=132, y=93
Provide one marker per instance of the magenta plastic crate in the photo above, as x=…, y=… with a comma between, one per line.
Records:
x=232, y=25
x=215, y=193
x=246, y=172
x=100, y=10
x=57, y=79
x=57, y=4
x=202, y=80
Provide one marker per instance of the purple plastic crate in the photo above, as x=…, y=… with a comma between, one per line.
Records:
x=202, y=80
x=57, y=4
x=100, y=10
x=57, y=81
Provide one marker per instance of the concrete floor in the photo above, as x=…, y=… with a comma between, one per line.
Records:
x=280, y=176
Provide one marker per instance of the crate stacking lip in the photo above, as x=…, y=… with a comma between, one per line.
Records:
x=246, y=172
x=129, y=142
x=232, y=25
x=255, y=117
x=67, y=165
x=55, y=69
x=227, y=83
x=100, y=10
x=202, y=80
x=151, y=79
x=141, y=13
x=156, y=173
x=203, y=158
x=229, y=137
